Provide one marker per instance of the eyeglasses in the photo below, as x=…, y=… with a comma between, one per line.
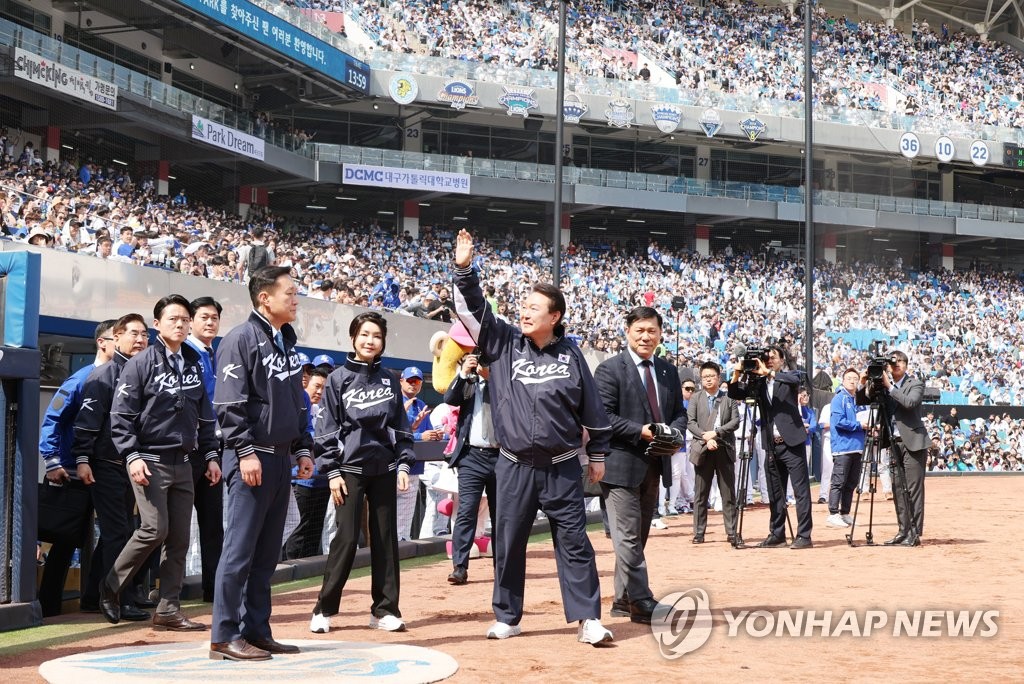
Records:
x=108, y=339
x=689, y=388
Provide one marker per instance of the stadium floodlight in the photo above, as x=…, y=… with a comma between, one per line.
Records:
x=316, y=206
x=635, y=221
x=347, y=199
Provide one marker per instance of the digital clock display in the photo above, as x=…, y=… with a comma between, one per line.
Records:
x=1013, y=155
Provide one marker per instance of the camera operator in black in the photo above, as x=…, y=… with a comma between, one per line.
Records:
x=784, y=439
x=903, y=396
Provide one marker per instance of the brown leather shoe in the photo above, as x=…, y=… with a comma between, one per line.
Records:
x=239, y=649
x=271, y=646
x=177, y=622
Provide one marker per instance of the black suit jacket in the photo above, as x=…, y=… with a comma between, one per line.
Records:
x=461, y=393
x=625, y=401
x=782, y=411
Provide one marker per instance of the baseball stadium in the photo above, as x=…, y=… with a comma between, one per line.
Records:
x=600, y=308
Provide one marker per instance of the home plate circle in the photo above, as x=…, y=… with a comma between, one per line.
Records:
x=337, y=661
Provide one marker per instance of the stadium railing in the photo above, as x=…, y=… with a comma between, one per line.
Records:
x=612, y=178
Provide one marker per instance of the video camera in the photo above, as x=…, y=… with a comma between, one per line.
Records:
x=748, y=356
x=879, y=361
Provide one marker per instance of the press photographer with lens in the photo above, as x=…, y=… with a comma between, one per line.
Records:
x=760, y=376
x=887, y=382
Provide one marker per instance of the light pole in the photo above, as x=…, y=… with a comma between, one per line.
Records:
x=808, y=194
x=556, y=237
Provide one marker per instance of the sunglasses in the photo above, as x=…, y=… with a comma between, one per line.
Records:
x=689, y=388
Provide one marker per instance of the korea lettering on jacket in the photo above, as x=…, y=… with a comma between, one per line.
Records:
x=266, y=408
x=531, y=385
x=363, y=422
x=92, y=424
x=158, y=414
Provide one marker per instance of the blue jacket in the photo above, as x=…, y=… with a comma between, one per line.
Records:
x=846, y=431
x=363, y=428
x=57, y=433
x=209, y=372
x=541, y=399
x=158, y=415
x=259, y=397
x=92, y=424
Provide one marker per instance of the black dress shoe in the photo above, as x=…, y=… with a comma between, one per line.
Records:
x=911, y=540
x=458, y=576
x=620, y=608
x=771, y=542
x=110, y=604
x=897, y=540
x=821, y=500
x=177, y=622
x=132, y=614
x=698, y=539
x=801, y=543
x=271, y=646
x=641, y=611
x=239, y=649
x=141, y=599
x=736, y=541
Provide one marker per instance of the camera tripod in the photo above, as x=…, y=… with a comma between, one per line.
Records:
x=747, y=434
x=879, y=435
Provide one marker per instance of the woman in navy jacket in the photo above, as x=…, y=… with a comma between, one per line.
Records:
x=365, y=447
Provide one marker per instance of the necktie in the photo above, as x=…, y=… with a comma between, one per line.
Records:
x=711, y=404
x=652, y=393
x=176, y=363
x=209, y=352
x=279, y=341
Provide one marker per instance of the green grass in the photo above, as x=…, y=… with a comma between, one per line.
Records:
x=50, y=635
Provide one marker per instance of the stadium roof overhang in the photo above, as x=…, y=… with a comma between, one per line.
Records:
x=984, y=17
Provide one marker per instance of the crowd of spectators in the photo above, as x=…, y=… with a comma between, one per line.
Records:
x=993, y=444
x=718, y=47
x=959, y=329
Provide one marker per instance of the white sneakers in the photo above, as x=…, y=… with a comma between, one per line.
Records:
x=499, y=630
x=836, y=520
x=848, y=519
x=388, y=623
x=320, y=624
x=658, y=524
x=593, y=632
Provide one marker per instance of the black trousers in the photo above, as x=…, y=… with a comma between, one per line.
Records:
x=381, y=493
x=476, y=476
x=305, y=539
x=845, y=476
x=114, y=501
x=58, y=561
x=785, y=463
x=209, y=505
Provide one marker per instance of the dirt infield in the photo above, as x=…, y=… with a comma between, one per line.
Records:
x=972, y=560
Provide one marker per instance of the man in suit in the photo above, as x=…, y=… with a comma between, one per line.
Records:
x=712, y=419
x=637, y=390
x=910, y=442
x=785, y=442
x=474, y=458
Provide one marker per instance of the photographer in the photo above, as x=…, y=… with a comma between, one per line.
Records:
x=784, y=437
x=903, y=395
